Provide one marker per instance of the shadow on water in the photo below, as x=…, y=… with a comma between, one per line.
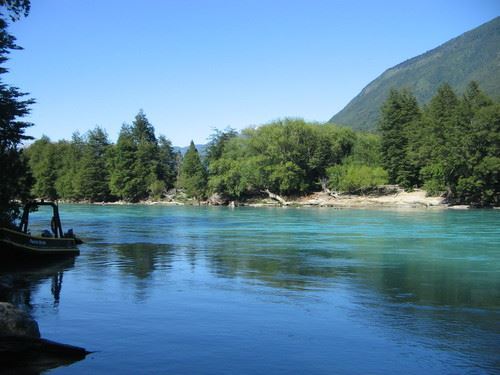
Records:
x=142, y=259
x=19, y=281
x=31, y=355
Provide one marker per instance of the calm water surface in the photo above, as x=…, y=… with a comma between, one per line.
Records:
x=274, y=291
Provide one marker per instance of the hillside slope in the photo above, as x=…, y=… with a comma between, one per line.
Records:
x=474, y=55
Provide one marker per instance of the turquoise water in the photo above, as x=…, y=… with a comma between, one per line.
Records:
x=274, y=291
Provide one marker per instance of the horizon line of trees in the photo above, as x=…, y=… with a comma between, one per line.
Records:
x=450, y=146
x=287, y=157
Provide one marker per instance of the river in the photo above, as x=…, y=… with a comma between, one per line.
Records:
x=205, y=290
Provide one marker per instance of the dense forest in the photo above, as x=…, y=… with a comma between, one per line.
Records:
x=286, y=157
x=90, y=167
x=451, y=147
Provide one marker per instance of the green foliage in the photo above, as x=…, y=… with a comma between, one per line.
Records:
x=91, y=168
x=473, y=56
x=44, y=162
x=356, y=178
x=434, y=179
x=399, y=112
x=292, y=155
x=14, y=174
x=122, y=181
x=218, y=140
x=140, y=163
x=167, y=163
x=482, y=188
x=193, y=175
x=287, y=157
x=366, y=149
x=451, y=148
x=157, y=189
x=67, y=183
x=93, y=177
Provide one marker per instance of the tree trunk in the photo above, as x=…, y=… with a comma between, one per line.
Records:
x=324, y=188
x=276, y=197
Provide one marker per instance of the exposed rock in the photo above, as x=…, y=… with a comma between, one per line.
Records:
x=23, y=351
x=14, y=322
x=33, y=355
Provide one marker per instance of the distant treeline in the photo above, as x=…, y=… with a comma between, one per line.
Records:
x=90, y=167
x=286, y=157
x=451, y=146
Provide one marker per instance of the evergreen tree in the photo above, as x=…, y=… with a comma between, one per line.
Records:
x=67, y=183
x=167, y=162
x=145, y=166
x=473, y=100
x=399, y=112
x=45, y=163
x=14, y=174
x=218, y=140
x=193, y=176
x=122, y=181
x=442, y=142
x=94, y=175
x=136, y=162
x=481, y=186
x=142, y=130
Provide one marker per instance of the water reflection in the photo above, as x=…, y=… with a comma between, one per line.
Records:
x=142, y=259
x=20, y=281
x=430, y=278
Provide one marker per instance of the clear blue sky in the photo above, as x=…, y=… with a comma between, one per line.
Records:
x=197, y=65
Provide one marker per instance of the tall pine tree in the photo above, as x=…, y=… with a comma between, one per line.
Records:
x=122, y=181
x=14, y=174
x=45, y=164
x=94, y=175
x=193, y=175
x=399, y=112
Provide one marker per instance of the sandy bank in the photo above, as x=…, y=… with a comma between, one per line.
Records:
x=414, y=199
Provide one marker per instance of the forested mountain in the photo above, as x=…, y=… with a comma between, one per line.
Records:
x=473, y=56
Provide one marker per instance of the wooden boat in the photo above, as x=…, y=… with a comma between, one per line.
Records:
x=20, y=243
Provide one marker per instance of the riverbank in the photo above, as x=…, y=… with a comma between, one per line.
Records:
x=396, y=199
x=401, y=199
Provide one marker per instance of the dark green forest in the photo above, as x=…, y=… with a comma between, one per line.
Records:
x=289, y=157
x=449, y=147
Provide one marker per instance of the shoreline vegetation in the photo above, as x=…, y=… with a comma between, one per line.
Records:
x=449, y=148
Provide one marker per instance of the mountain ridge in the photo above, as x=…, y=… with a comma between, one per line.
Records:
x=473, y=55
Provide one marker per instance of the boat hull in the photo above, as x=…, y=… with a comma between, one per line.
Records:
x=15, y=244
